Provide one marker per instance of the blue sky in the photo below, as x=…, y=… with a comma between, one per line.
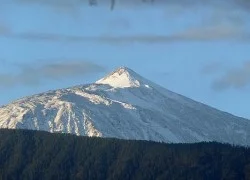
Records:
x=200, y=50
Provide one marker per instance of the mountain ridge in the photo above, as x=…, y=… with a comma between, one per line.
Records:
x=125, y=105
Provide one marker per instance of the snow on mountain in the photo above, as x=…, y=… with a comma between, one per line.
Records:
x=127, y=106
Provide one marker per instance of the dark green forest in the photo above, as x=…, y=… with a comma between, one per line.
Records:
x=41, y=155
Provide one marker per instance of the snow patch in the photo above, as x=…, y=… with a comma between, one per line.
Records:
x=121, y=78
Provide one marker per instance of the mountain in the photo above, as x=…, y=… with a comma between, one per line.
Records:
x=127, y=106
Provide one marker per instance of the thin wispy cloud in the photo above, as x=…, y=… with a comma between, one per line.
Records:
x=212, y=68
x=213, y=29
x=223, y=16
x=235, y=78
x=229, y=10
x=33, y=75
x=217, y=32
x=201, y=34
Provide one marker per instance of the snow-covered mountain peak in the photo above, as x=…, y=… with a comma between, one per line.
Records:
x=127, y=106
x=123, y=77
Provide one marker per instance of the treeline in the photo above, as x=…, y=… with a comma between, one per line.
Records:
x=40, y=155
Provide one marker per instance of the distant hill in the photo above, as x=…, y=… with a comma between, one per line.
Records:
x=41, y=155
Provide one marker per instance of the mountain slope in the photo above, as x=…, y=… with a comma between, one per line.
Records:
x=127, y=106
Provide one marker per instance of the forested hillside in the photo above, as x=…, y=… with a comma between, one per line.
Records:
x=41, y=155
